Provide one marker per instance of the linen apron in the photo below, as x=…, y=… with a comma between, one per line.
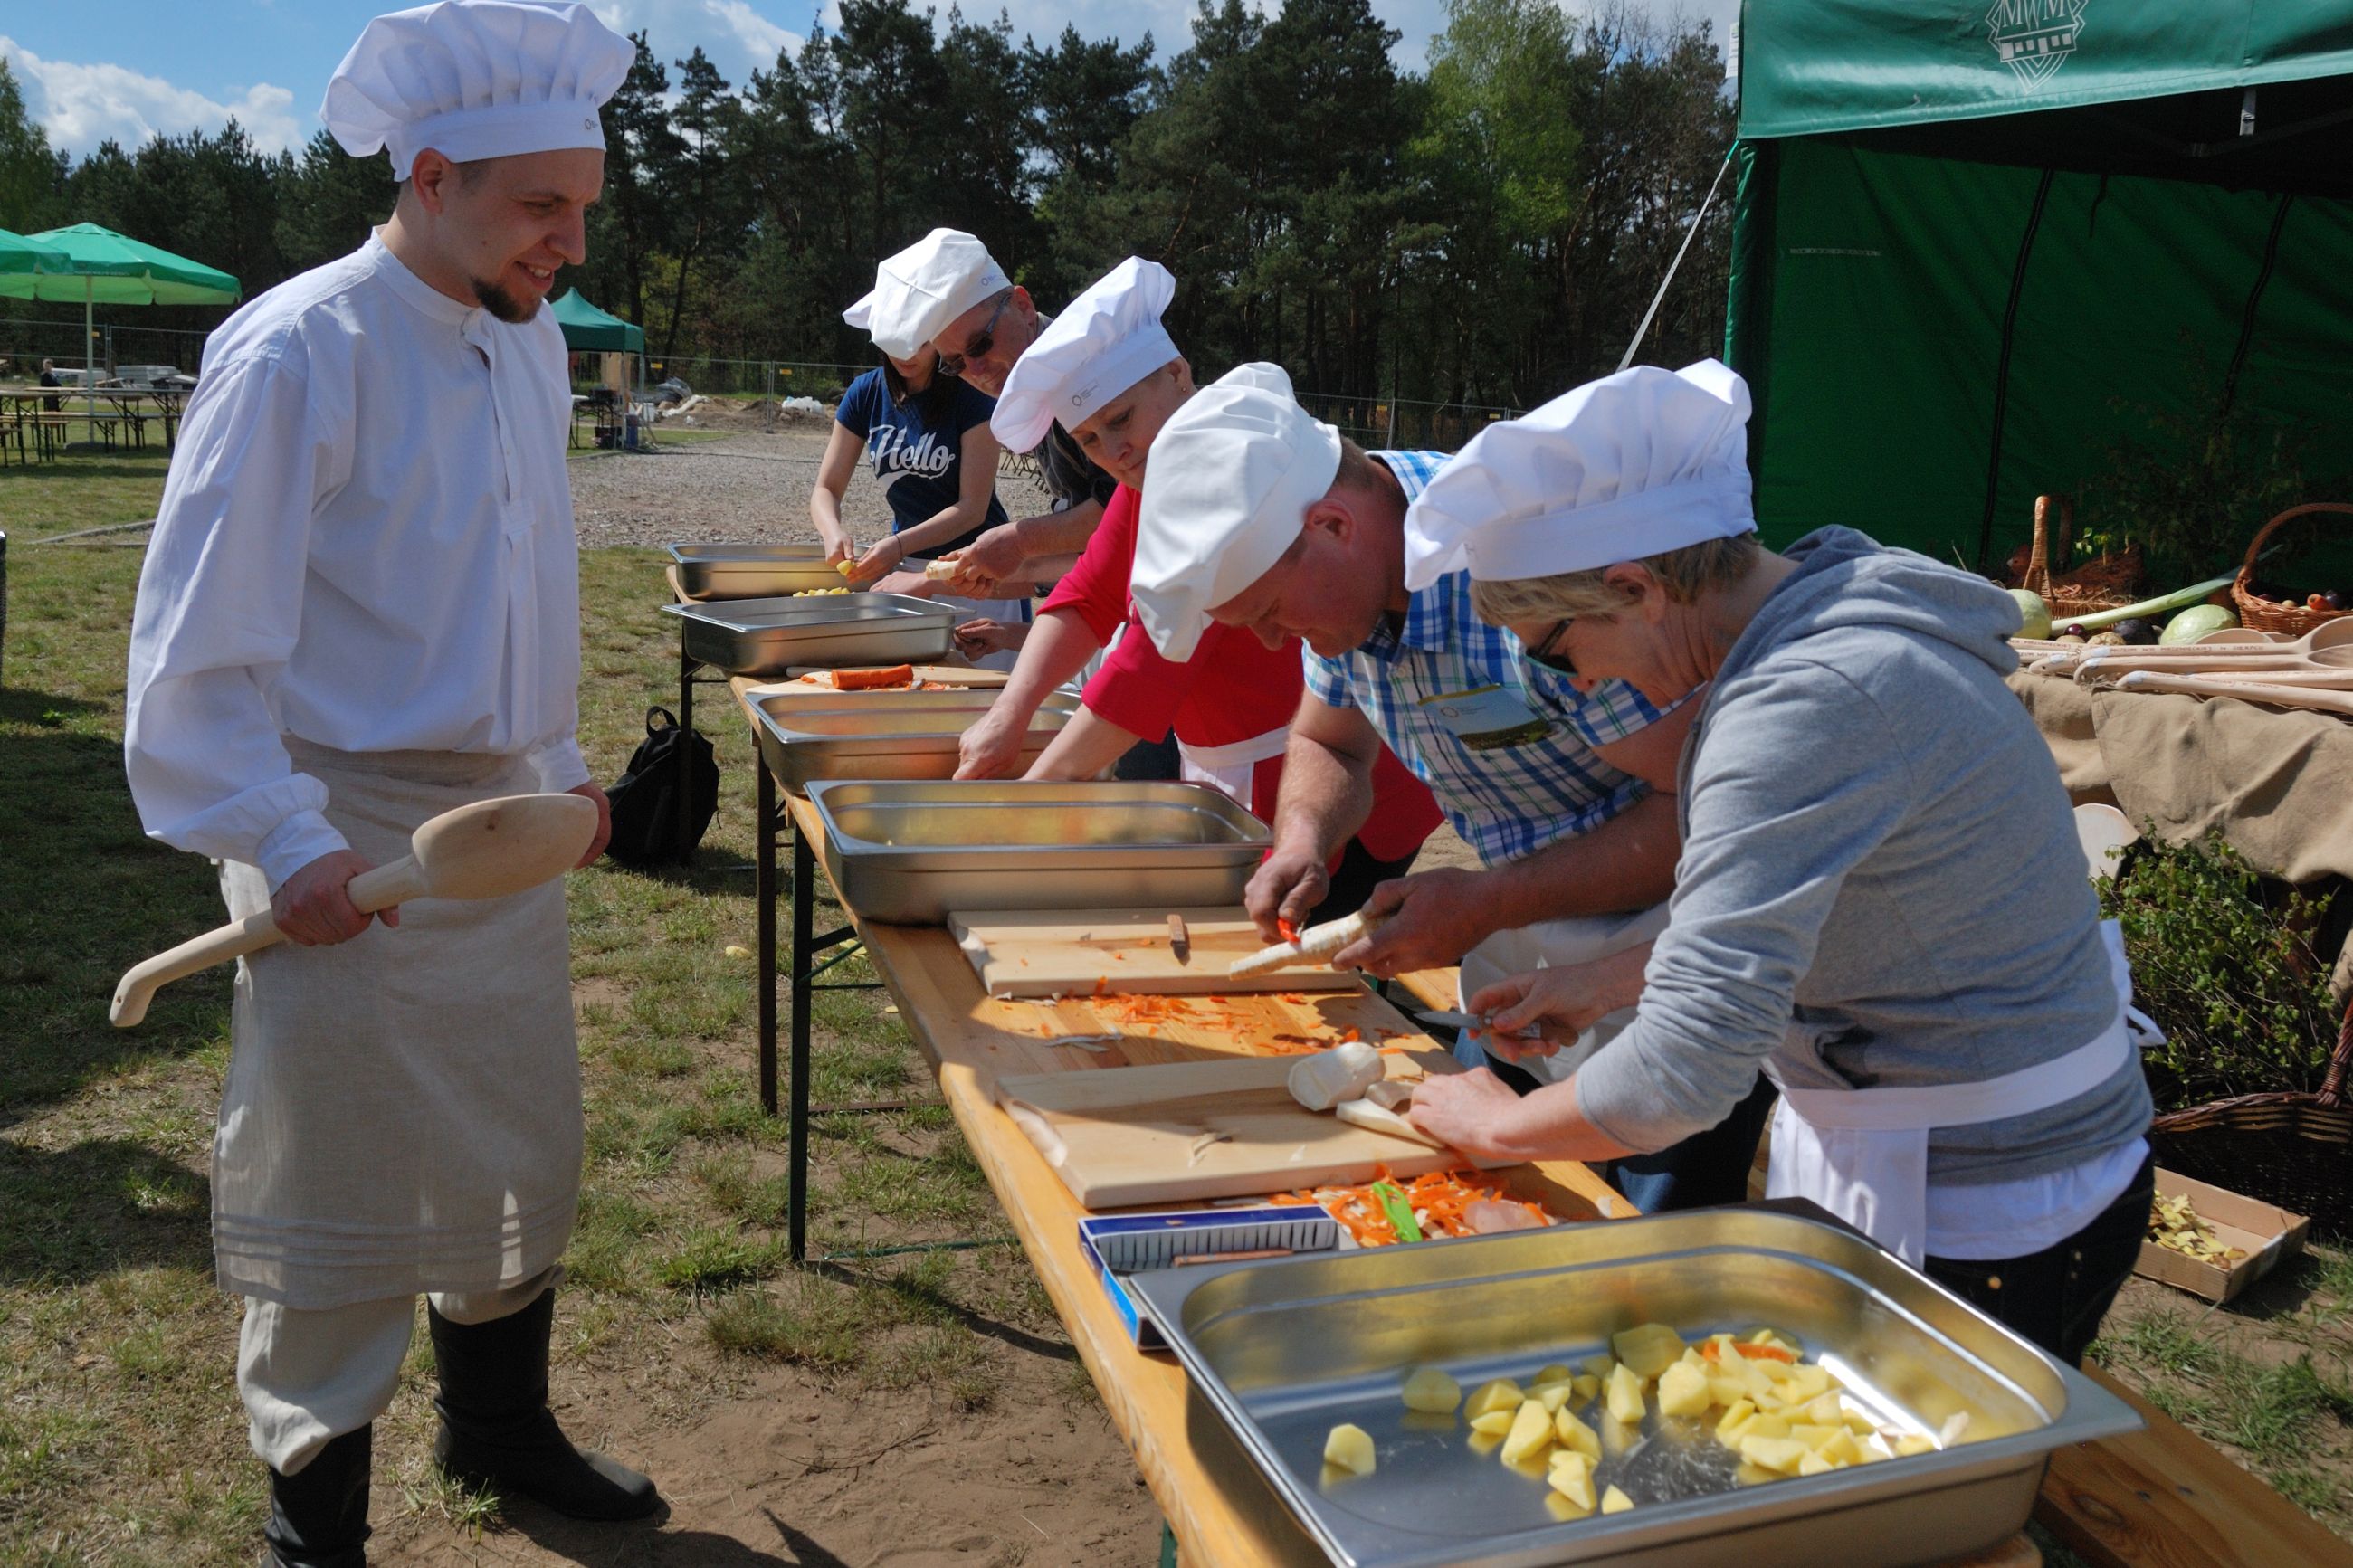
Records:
x=1545, y=945
x=402, y=1110
x=1232, y=767
x=1863, y=1154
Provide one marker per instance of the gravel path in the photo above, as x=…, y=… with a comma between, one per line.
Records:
x=750, y=488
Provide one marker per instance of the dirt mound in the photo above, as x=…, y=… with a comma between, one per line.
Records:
x=744, y=415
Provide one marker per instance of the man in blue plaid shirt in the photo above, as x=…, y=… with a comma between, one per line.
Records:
x=1257, y=516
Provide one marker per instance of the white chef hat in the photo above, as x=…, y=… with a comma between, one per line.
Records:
x=1233, y=473
x=475, y=79
x=1634, y=465
x=920, y=289
x=1108, y=340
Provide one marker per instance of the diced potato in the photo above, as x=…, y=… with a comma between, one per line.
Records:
x=1494, y=1423
x=1779, y=1455
x=1502, y=1393
x=1618, y=1438
x=1530, y=1435
x=1648, y=1347
x=1841, y=1449
x=1726, y=1391
x=1563, y=1511
x=1624, y=1395
x=1598, y=1367
x=1768, y=1425
x=1752, y=1376
x=1586, y=1385
x=1552, y=1395
x=1574, y=1436
x=1615, y=1501
x=1815, y=1465
x=1683, y=1391
x=1691, y=1357
x=1736, y=1419
x=1811, y=1435
x=1483, y=1443
x=1807, y=1380
x=1765, y=1337
x=1572, y=1477
x=1556, y=1373
x=1859, y=1424
x=1827, y=1411
x=1748, y=1475
x=1349, y=1448
x=1430, y=1389
x=1913, y=1442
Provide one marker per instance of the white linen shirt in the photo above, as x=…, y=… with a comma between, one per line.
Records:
x=365, y=540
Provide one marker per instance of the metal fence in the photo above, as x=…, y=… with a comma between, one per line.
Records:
x=24, y=343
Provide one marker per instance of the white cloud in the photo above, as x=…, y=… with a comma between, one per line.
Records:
x=734, y=33
x=82, y=105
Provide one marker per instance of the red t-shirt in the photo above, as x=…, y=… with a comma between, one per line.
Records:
x=1233, y=688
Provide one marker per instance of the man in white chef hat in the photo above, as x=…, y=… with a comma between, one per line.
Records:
x=360, y=609
x=1261, y=517
x=947, y=291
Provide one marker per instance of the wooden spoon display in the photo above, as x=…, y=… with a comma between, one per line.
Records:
x=2249, y=691
x=2227, y=660
x=485, y=850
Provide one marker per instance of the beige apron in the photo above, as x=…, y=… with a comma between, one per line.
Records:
x=402, y=1112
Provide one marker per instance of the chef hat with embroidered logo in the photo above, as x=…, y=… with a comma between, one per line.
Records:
x=1108, y=340
x=920, y=289
x=1233, y=473
x=1634, y=465
x=475, y=79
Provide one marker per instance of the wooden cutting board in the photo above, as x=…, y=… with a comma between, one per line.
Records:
x=1121, y=1137
x=1071, y=953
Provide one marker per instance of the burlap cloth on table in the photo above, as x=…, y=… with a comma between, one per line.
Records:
x=2278, y=784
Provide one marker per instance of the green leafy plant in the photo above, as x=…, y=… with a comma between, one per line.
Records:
x=2226, y=966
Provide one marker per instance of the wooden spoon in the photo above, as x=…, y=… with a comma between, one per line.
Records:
x=2244, y=690
x=485, y=850
x=2337, y=633
x=2324, y=660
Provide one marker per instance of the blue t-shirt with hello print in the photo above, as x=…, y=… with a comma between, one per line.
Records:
x=917, y=456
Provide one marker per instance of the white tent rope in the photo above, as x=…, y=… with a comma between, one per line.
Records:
x=1676, y=265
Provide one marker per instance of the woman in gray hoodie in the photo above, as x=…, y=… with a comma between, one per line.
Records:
x=1880, y=900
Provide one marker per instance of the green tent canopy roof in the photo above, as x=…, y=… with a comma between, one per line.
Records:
x=105, y=268
x=1812, y=66
x=587, y=329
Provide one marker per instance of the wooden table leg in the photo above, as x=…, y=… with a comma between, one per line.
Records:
x=764, y=899
x=804, y=950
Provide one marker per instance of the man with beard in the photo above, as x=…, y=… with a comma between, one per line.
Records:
x=361, y=610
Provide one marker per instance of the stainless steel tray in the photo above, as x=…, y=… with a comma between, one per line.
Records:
x=884, y=734
x=768, y=637
x=1284, y=1351
x=911, y=852
x=751, y=571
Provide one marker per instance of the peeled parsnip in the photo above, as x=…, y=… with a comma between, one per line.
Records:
x=1313, y=945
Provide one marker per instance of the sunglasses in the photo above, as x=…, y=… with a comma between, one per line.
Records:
x=982, y=341
x=1543, y=653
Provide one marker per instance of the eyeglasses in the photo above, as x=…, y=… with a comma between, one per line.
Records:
x=1542, y=652
x=982, y=341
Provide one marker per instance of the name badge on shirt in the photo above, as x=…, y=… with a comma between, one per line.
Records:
x=1487, y=718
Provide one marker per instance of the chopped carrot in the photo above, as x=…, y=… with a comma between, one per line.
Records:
x=1285, y=930
x=875, y=679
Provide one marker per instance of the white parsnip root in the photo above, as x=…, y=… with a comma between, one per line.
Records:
x=1316, y=944
x=940, y=571
x=1325, y=1079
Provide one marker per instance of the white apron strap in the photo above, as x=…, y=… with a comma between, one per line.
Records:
x=1229, y=767
x=1550, y=944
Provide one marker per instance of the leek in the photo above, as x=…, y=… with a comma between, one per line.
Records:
x=2179, y=599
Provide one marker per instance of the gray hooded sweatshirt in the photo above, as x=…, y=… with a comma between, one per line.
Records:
x=1880, y=868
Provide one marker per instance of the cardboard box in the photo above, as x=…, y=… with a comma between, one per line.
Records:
x=2265, y=1232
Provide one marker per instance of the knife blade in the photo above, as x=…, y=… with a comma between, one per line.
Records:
x=1475, y=1024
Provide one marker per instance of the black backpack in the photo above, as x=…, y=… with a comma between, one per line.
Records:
x=645, y=802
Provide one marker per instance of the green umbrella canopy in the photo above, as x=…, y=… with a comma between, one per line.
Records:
x=103, y=268
x=587, y=327
x=23, y=260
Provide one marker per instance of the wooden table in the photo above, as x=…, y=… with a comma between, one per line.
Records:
x=1219, y=1510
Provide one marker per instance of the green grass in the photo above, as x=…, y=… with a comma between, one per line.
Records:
x=120, y=1438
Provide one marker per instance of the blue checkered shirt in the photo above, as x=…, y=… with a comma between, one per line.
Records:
x=1518, y=787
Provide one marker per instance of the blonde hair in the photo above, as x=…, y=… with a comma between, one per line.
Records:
x=1684, y=574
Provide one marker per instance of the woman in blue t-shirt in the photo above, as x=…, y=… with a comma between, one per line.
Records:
x=927, y=437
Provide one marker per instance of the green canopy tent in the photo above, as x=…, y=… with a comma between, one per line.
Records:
x=1980, y=247
x=587, y=330
x=103, y=268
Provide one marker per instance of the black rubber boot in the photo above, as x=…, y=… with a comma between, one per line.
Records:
x=496, y=1428
x=318, y=1516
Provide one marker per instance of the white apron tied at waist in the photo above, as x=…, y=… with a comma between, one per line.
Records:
x=1230, y=767
x=1545, y=945
x=1863, y=1154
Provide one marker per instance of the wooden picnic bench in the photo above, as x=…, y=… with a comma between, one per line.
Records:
x=2158, y=1499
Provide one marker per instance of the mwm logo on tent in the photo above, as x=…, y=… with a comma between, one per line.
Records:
x=2034, y=37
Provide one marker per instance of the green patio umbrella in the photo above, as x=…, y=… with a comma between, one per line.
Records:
x=103, y=268
x=22, y=260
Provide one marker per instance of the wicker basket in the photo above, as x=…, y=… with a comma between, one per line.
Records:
x=2273, y=615
x=2293, y=1149
x=2107, y=584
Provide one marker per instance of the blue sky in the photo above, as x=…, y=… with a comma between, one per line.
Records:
x=126, y=69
